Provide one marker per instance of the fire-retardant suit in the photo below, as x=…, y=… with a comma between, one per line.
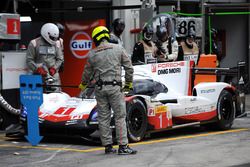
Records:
x=44, y=57
x=104, y=68
x=144, y=50
x=167, y=47
x=118, y=26
x=190, y=48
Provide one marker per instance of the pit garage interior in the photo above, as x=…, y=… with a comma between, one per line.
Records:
x=229, y=17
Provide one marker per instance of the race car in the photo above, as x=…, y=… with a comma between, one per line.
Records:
x=163, y=99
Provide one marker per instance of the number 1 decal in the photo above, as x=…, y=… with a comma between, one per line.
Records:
x=13, y=26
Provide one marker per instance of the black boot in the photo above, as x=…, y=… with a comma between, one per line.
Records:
x=109, y=149
x=125, y=150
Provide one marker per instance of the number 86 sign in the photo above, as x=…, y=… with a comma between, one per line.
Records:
x=184, y=24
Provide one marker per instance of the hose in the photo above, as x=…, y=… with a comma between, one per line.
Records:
x=8, y=107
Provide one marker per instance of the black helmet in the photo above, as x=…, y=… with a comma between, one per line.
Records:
x=118, y=26
x=191, y=34
x=190, y=38
x=61, y=28
x=147, y=33
x=161, y=33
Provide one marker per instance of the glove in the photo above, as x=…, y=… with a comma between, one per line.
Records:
x=127, y=87
x=52, y=71
x=82, y=86
x=41, y=71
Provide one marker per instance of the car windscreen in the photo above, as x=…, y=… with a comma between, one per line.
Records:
x=148, y=87
x=88, y=93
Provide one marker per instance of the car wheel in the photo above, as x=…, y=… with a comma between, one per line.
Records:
x=136, y=120
x=226, y=111
x=2, y=120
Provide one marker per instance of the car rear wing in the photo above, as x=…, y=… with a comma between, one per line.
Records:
x=238, y=72
x=235, y=73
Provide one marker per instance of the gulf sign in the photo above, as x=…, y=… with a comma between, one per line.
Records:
x=80, y=44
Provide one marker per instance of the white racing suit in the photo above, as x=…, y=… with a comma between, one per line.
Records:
x=170, y=52
x=40, y=53
x=104, y=67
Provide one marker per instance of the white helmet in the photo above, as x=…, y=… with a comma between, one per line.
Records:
x=50, y=33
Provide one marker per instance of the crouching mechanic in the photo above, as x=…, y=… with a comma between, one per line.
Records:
x=44, y=57
x=104, y=67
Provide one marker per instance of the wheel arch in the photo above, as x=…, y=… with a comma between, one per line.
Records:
x=135, y=136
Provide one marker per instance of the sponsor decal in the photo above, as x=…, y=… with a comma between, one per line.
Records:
x=160, y=109
x=151, y=112
x=153, y=67
x=207, y=91
x=171, y=64
x=169, y=71
x=80, y=44
x=76, y=117
x=199, y=109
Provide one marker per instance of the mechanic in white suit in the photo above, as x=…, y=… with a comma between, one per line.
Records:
x=44, y=57
x=167, y=47
x=104, y=66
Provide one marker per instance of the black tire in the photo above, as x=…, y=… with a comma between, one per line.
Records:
x=136, y=120
x=226, y=111
x=7, y=119
x=3, y=119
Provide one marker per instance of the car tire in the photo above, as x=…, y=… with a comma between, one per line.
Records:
x=3, y=119
x=136, y=120
x=226, y=111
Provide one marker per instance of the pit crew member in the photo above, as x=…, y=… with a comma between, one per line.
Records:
x=144, y=50
x=44, y=57
x=104, y=67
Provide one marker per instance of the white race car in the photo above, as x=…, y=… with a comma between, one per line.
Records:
x=163, y=98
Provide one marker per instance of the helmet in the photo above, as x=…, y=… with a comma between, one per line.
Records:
x=191, y=34
x=50, y=33
x=147, y=33
x=190, y=38
x=61, y=28
x=100, y=33
x=161, y=33
x=118, y=26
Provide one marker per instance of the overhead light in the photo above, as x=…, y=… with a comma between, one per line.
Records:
x=25, y=19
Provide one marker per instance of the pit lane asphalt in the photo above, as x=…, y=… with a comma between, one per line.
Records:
x=188, y=147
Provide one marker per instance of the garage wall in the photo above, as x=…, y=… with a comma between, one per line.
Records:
x=132, y=20
x=236, y=28
x=127, y=15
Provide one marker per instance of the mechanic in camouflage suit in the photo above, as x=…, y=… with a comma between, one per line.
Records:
x=44, y=55
x=104, y=68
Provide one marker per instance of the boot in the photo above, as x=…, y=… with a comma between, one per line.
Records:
x=109, y=149
x=125, y=150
